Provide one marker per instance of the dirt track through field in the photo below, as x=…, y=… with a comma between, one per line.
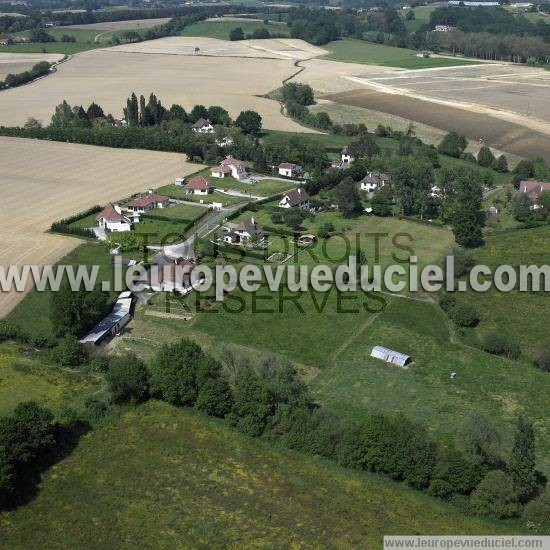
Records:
x=497, y=133
x=45, y=181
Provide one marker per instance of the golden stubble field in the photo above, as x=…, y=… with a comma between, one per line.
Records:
x=233, y=76
x=45, y=181
x=19, y=62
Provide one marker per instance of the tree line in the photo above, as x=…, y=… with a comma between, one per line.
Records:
x=267, y=399
x=13, y=80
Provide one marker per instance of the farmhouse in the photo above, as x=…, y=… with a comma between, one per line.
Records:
x=389, y=356
x=203, y=126
x=198, y=185
x=5, y=41
x=296, y=198
x=148, y=202
x=172, y=277
x=290, y=170
x=346, y=157
x=243, y=231
x=113, y=323
x=469, y=4
x=533, y=188
x=230, y=167
x=373, y=181
x=112, y=219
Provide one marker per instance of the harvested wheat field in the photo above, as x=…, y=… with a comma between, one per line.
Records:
x=19, y=62
x=166, y=68
x=500, y=134
x=121, y=25
x=45, y=181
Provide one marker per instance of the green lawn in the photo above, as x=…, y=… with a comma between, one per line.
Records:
x=51, y=47
x=177, y=212
x=167, y=478
x=24, y=377
x=221, y=29
x=421, y=17
x=359, y=51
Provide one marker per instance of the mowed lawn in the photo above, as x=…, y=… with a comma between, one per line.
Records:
x=221, y=29
x=500, y=389
x=24, y=377
x=160, y=477
x=358, y=51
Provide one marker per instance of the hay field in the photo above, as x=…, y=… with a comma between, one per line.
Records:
x=17, y=63
x=45, y=181
x=109, y=76
x=120, y=25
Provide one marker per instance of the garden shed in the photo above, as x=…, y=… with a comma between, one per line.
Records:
x=390, y=356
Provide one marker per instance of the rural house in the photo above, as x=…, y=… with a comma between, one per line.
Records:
x=346, y=157
x=112, y=219
x=533, y=189
x=290, y=170
x=171, y=277
x=5, y=41
x=148, y=202
x=230, y=167
x=494, y=209
x=298, y=198
x=390, y=356
x=444, y=28
x=373, y=181
x=198, y=185
x=243, y=231
x=203, y=126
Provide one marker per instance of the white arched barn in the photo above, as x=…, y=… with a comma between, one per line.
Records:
x=390, y=356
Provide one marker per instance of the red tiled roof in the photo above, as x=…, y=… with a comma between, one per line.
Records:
x=230, y=161
x=110, y=214
x=221, y=170
x=198, y=182
x=146, y=200
x=288, y=165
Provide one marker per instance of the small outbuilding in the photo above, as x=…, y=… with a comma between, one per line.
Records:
x=390, y=356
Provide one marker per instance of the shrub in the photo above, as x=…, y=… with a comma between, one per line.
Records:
x=325, y=230
x=69, y=353
x=495, y=496
x=542, y=359
x=464, y=315
x=127, y=378
x=180, y=370
x=215, y=398
x=276, y=218
x=499, y=344
x=538, y=510
x=9, y=331
x=447, y=301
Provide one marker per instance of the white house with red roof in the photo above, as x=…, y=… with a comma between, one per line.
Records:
x=290, y=170
x=203, y=126
x=230, y=166
x=199, y=185
x=148, y=202
x=112, y=219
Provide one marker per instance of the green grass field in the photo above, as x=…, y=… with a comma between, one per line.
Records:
x=165, y=478
x=359, y=51
x=497, y=388
x=24, y=377
x=32, y=312
x=521, y=315
x=177, y=211
x=221, y=29
x=421, y=17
